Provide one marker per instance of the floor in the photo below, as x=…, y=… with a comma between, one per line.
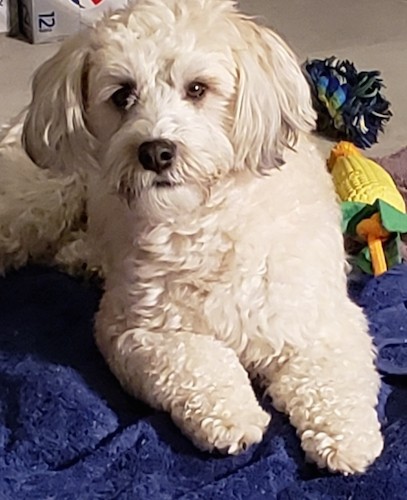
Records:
x=371, y=33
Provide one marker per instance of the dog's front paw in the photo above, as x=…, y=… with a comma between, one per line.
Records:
x=226, y=431
x=235, y=434
x=350, y=451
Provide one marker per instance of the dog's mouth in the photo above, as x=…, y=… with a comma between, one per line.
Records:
x=163, y=184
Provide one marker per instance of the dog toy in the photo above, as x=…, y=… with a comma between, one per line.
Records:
x=349, y=104
x=374, y=212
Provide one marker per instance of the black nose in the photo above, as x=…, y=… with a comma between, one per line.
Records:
x=157, y=155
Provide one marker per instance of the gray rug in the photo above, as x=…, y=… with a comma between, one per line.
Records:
x=396, y=165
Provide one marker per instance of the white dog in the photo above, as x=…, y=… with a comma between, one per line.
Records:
x=180, y=130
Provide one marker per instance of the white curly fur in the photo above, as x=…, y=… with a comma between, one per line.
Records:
x=227, y=266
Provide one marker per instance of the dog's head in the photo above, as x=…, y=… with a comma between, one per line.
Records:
x=167, y=93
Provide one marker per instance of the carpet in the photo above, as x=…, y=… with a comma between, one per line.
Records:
x=68, y=430
x=396, y=165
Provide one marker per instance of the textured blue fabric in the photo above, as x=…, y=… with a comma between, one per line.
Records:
x=68, y=431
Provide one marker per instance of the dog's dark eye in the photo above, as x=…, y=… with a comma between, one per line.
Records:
x=196, y=90
x=125, y=96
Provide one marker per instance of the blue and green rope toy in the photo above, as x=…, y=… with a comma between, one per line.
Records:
x=349, y=103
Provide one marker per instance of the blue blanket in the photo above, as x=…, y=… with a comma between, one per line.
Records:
x=68, y=431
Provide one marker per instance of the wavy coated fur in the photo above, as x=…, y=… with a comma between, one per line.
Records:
x=219, y=268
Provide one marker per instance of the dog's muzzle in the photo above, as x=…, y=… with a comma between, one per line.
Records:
x=157, y=155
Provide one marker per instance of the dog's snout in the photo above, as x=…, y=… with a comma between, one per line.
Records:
x=157, y=155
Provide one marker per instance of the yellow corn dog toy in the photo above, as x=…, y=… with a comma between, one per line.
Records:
x=373, y=209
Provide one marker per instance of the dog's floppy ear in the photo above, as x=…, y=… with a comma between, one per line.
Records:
x=55, y=133
x=273, y=102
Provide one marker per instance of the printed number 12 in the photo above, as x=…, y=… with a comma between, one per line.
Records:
x=46, y=21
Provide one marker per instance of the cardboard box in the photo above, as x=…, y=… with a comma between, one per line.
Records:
x=4, y=16
x=45, y=21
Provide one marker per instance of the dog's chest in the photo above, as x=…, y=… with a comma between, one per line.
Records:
x=201, y=277
x=196, y=254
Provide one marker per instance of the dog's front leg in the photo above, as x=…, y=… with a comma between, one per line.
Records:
x=197, y=379
x=329, y=388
